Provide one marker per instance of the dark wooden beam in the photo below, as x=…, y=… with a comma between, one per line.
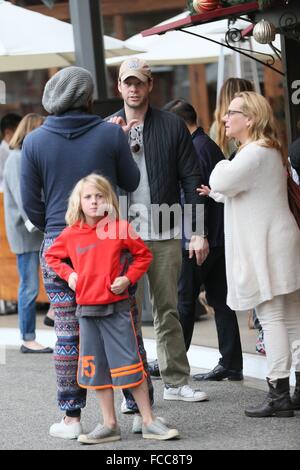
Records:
x=60, y=11
x=124, y=7
x=114, y=7
x=199, y=94
x=119, y=27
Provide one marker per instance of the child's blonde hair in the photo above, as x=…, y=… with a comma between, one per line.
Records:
x=75, y=214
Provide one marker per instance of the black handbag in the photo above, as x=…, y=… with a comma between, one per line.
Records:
x=294, y=198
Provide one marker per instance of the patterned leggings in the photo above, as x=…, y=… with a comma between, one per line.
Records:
x=70, y=396
x=130, y=402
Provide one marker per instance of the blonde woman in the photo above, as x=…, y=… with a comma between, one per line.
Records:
x=94, y=241
x=217, y=132
x=23, y=240
x=262, y=243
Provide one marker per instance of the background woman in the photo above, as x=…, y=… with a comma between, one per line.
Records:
x=217, y=132
x=23, y=238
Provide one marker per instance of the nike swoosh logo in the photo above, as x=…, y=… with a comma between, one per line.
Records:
x=80, y=250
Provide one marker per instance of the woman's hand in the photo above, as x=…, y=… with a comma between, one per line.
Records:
x=72, y=281
x=204, y=190
x=119, y=285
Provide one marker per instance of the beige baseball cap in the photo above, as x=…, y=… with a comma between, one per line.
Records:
x=135, y=68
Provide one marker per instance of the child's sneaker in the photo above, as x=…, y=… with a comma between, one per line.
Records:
x=159, y=431
x=100, y=434
x=184, y=393
x=137, y=425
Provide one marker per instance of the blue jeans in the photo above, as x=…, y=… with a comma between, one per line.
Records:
x=28, y=267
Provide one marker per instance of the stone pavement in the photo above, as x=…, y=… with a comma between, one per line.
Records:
x=28, y=408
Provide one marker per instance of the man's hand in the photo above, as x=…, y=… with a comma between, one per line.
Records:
x=72, y=281
x=200, y=247
x=119, y=285
x=121, y=122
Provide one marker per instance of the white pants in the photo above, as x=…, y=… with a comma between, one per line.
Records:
x=280, y=321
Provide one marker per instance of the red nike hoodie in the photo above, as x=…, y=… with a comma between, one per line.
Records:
x=95, y=253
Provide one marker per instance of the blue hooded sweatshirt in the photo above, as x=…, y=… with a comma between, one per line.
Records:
x=63, y=150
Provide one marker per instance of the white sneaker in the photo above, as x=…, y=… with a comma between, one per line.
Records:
x=125, y=409
x=66, y=431
x=184, y=393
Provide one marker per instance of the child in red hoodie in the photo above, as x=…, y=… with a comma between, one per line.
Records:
x=96, y=242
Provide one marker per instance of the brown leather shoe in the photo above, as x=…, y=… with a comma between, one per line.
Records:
x=154, y=369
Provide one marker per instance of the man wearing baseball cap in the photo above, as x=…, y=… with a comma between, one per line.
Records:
x=163, y=150
x=135, y=68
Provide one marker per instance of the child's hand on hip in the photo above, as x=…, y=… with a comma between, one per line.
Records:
x=119, y=285
x=72, y=281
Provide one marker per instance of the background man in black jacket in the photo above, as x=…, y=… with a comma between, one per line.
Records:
x=294, y=155
x=163, y=150
x=212, y=272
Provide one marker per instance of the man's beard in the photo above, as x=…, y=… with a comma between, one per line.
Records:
x=138, y=105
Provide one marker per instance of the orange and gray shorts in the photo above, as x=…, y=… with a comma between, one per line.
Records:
x=108, y=352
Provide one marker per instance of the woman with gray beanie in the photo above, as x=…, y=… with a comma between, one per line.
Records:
x=71, y=144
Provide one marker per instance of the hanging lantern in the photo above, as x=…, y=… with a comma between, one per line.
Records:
x=202, y=6
x=264, y=32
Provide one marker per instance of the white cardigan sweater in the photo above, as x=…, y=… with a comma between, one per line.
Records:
x=262, y=239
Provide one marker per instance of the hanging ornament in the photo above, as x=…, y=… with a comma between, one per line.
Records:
x=202, y=6
x=264, y=32
x=190, y=7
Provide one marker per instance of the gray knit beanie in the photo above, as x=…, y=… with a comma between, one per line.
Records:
x=69, y=88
